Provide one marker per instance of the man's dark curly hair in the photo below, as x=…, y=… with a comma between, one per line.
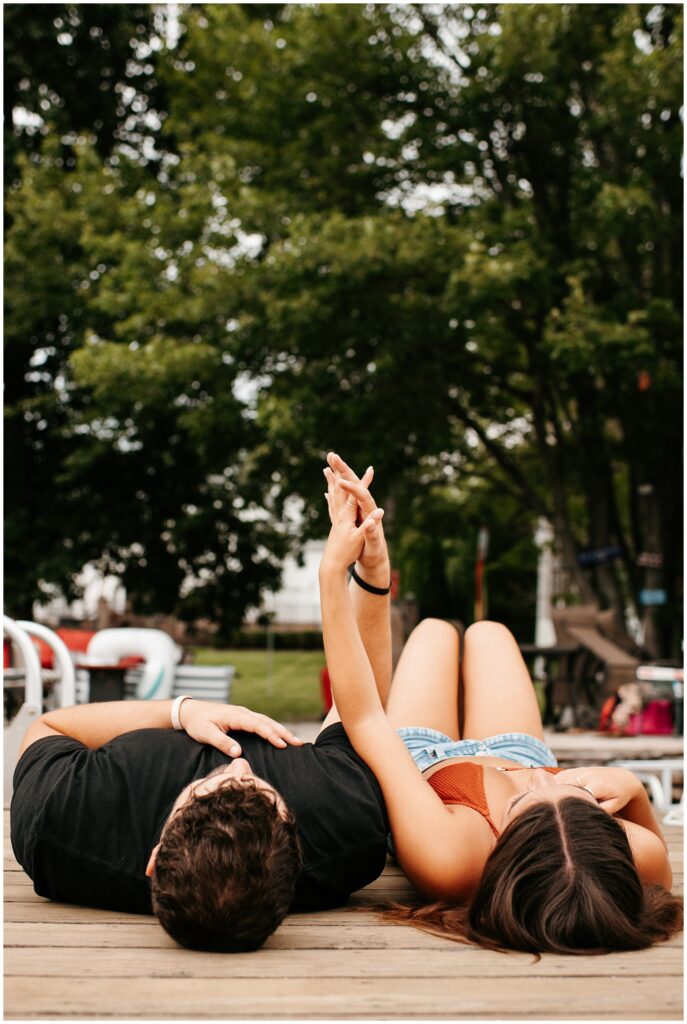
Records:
x=226, y=870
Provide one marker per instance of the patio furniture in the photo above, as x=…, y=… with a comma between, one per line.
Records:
x=601, y=664
x=658, y=777
x=24, y=686
x=108, y=647
x=204, y=682
x=558, y=662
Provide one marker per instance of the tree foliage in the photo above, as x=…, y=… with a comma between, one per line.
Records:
x=441, y=238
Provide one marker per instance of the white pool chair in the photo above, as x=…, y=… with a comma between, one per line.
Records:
x=658, y=777
x=28, y=675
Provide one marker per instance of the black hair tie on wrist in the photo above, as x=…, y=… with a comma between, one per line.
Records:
x=380, y=591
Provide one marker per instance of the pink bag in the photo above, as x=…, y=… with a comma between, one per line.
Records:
x=656, y=719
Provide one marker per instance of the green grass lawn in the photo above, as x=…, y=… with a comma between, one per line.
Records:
x=283, y=684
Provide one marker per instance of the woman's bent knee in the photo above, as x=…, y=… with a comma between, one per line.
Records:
x=435, y=628
x=487, y=631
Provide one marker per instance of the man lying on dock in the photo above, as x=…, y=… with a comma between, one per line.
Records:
x=145, y=806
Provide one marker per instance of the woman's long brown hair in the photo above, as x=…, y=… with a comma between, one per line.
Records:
x=561, y=879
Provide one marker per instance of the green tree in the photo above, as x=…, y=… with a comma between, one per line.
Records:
x=562, y=227
x=75, y=68
x=155, y=475
x=70, y=70
x=443, y=237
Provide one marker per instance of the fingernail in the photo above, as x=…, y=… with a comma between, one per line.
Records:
x=235, y=751
x=369, y=469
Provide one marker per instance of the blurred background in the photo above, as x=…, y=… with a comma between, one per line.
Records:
x=444, y=239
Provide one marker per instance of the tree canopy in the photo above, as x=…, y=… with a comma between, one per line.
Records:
x=443, y=238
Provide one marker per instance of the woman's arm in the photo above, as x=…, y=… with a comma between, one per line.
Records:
x=620, y=793
x=645, y=837
x=439, y=855
x=649, y=854
x=372, y=611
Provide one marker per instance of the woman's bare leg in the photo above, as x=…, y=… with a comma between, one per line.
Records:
x=497, y=688
x=424, y=690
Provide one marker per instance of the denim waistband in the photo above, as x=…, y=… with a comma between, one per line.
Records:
x=429, y=747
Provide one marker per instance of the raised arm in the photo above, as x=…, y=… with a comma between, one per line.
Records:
x=436, y=856
x=350, y=670
x=372, y=611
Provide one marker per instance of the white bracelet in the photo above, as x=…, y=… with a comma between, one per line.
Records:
x=176, y=707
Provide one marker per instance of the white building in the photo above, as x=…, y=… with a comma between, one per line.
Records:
x=298, y=600
x=296, y=603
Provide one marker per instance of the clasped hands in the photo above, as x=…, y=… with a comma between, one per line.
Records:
x=356, y=534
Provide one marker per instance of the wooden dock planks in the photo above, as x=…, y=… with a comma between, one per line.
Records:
x=64, y=962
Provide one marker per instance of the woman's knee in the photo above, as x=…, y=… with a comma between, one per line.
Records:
x=487, y=632
x=435, y=629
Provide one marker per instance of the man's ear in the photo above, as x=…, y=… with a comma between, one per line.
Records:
x=152, y=861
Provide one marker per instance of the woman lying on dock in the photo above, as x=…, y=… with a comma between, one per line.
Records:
x=510, y=851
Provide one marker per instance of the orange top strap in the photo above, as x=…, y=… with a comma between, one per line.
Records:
x=463, y=784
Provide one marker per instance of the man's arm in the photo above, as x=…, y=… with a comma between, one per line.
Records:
x=205, y=721
x=96, y=724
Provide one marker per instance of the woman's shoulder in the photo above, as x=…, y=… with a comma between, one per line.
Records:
x=648, y=853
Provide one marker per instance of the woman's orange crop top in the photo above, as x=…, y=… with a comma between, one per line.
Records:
x=464, y=784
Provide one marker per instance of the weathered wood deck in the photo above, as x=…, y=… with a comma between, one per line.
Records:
x=64, y=962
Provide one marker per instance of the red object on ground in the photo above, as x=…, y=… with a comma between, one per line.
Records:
x=656, y=719
x=326, y=690
x=607, y=710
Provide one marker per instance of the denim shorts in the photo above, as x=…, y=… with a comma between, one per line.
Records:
x=429, y=747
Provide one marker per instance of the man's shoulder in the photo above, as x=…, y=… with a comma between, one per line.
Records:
x=334, y=737
x=46, y=753
x=341, y=787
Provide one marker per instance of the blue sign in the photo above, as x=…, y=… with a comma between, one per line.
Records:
x=648, y=597
x=598, y=555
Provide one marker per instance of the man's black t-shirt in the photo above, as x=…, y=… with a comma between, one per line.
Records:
x=84, y=822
